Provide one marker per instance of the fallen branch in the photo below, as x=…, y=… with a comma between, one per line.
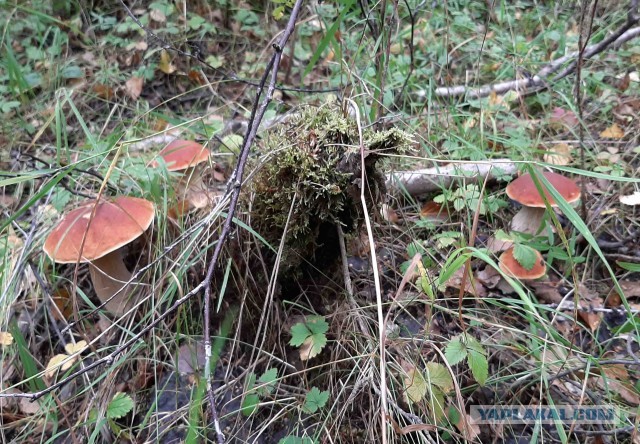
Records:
x=539, y=80
x=436, y=178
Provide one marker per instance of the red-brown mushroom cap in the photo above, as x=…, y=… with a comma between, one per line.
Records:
x=523, y=190
x=114, y=224
x=182, y=154
x=511, y=267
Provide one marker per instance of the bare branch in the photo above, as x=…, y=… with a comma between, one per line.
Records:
x=436, y=178
x=539, y=80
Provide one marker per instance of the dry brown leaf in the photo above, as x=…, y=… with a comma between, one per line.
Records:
x=165, y=64
x=28, y=407
x=560, y=117
x=306, y=350
x=472, y=285
x=133, y=87
x=468, y=427
x=624, y=389
x=103, y=91
x=198, y=198
x=489, y=277
x=496, y=245
x=546, y=291
x=433, y=211
x=389, y=214
x=62, y=300
x=613, y=132
x=191, y=357
x=157, y=16
x=559, y=154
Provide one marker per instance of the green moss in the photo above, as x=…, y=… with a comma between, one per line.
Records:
x=313, y=163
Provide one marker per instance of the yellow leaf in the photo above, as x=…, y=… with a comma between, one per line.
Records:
x=75, y=348
x=415, y=386
x=613, y=132
x=165, y=64
x=6, y=338
x=58, y=362
x=559, y=154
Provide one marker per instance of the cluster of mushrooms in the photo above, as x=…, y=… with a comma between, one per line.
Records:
x=98, y=230
x=529, y=219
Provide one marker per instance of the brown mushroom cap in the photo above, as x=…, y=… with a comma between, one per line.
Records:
x=182, y=154
x=523, y=190
x=511, y=267
x=114, y=224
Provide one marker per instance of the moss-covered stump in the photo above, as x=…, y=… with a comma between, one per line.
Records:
x=310, y=182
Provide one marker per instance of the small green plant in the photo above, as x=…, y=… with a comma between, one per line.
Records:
x=467, y=347
x=254, y=392
x=121, y=404
x=315, y=400
x=430, y=385
x=310, y=336
x=469, y=197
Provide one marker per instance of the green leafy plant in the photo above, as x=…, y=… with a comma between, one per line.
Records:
x=431, y=385
x=255, y=391
x=469, y=197
x=467, y=347
x=315, y=400
x=310, y=336
x=120, y=405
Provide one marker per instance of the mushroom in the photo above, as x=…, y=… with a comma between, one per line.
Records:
x=96, y=233
x=184, y=156
x=512, y=268
x=523, y=190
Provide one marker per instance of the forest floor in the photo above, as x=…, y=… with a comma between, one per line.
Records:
x=351, y=302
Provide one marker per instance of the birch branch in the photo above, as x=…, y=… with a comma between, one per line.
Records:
x=539, y=80
x=436, y=178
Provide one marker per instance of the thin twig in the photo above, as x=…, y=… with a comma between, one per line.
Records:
x=235, y=184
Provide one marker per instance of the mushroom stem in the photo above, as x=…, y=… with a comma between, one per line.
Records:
x=528, y=220
x=109, y=276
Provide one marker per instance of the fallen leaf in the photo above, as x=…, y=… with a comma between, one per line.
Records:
x=133, y=87
x=6, y=338
x=415, y=386
x=613, y=132
x=560, y=154
x=546, y=291
x=197, y=77
x=468, y=427
x=433, y=211
x=165, y=64
x=64, y=304
x=56, y=363
x=191, y=357
x=489, y=277
x=389, y=214
x=157, y=16
x=472, y=285
x=496, y=245
x=560, y=117
x=75, y=348
x=631, y=199
x=306, y=350
x=103, y=91
x=28, y=407
x=623, y=389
